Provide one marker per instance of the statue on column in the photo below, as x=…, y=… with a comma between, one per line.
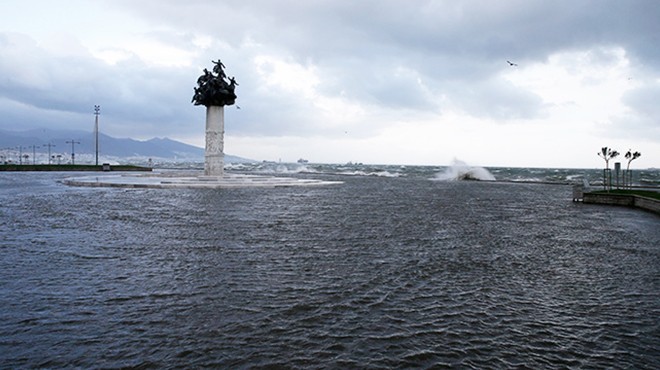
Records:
x=213, y=89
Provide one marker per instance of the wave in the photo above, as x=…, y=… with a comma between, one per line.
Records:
x=371, y=173
x=460, y=170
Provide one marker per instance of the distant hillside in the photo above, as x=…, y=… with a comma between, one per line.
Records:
x=110, y=148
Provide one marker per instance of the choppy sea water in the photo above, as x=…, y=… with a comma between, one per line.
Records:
x=383, y=271
x=638, y=177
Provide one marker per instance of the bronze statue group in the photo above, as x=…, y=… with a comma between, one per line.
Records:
x=213, y=88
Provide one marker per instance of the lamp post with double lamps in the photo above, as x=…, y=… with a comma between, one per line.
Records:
x=97, y=111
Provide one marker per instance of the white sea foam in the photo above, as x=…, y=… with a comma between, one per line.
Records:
x=574, y=177
x=236, y=166
x=370, y=173
x=385, y=174
x=283, y=168
x=460, y=170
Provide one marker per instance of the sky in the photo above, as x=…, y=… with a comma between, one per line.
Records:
x=332, y=81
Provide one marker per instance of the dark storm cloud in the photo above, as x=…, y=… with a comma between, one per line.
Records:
x=414, y=56
x=132, y=95
x=445, y=42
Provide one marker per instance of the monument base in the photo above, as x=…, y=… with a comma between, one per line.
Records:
x=182, y=179
x=214, y=157
x=214, y=166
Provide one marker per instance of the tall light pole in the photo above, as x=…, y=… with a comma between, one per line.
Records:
x=49, y=145
x=34, y=154
x=20, y=154
x=73, y=155
x=97, y=111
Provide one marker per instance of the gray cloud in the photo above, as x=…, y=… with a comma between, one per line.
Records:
x=644, y=100
x=498, y=100
x=645, y=121
x=133, y=95
x=387, y=54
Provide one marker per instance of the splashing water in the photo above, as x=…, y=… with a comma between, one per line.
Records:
x=460, y=170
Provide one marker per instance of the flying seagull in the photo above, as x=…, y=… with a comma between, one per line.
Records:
x=512, y=64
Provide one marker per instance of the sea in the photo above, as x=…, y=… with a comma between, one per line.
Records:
x=396, y=267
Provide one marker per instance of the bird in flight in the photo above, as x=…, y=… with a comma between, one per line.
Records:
x=237, y=107
x=512, y=64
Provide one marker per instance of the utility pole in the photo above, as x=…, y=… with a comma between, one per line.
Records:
x=20, y=154
x=73, y=155
x=34, y=154
x=49, y=145
x=97, y=111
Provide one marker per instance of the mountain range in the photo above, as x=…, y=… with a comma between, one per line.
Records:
x=111, y=149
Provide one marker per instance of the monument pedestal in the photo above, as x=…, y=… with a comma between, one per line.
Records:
x=214, y=157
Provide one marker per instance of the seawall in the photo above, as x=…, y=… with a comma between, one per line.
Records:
x=629, y=200
x=71, y=167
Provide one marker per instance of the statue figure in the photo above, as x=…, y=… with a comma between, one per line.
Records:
x=213, y=88
x=218, y=68
x=207, y=76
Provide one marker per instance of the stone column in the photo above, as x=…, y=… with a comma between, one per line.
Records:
x=214, y=158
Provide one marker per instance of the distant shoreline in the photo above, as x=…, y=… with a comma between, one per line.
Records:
x=70, y=168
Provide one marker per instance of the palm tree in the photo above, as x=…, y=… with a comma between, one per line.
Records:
x=607, y=154
x=630, y=157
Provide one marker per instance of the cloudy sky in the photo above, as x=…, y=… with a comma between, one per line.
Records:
x=373, y=81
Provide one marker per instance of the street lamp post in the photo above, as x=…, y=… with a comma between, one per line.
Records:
x=20, y=154
x=34, y=154
x=73, y=155
x=49, y=145
x=97, y=111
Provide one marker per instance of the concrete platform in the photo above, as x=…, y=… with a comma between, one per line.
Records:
x=185, y=179
x=630, y=200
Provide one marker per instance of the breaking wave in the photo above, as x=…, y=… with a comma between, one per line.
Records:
x=460, y=170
